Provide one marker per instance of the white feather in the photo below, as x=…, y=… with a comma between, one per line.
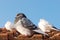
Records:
x=19, y=27
x=9, y=25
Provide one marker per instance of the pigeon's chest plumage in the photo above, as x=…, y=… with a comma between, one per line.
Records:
x=24, y=31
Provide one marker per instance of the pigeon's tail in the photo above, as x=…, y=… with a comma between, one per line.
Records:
x=39, y=31
x=56, y=29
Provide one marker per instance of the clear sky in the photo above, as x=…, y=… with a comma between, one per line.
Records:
x=33, y=9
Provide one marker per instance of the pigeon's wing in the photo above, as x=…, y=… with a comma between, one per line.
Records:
x=28, y=24
x=54, y=28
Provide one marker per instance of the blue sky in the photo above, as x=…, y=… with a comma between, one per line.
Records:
x=33, y=9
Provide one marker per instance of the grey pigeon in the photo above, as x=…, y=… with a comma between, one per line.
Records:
x=24, y=26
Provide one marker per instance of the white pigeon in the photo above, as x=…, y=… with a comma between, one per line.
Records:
x=9, y=25
x=45, y=26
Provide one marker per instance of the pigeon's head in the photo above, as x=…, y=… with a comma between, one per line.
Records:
x=20, y=15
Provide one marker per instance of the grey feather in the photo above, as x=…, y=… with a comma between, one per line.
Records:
x=28, y=24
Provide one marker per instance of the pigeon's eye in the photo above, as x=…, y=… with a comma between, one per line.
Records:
x=17, y=14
